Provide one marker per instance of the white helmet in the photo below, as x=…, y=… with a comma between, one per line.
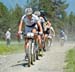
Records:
x=37, y=13
x=28, y=11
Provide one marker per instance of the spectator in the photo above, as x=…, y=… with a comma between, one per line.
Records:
x=8, y=36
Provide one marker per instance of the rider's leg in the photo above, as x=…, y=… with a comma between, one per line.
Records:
x=40, y=45
x=39, y=41
x=45, y=37
x=43, y=41
x=34, y=31
x=37, y=38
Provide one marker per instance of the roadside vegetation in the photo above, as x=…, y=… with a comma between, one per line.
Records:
x=70, y=61
x=12, y=48
x=55, y=11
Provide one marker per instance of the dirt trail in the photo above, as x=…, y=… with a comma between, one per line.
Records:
x=52, y=61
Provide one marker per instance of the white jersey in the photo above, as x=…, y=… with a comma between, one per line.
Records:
x=29, y=22
x=51, y=31
x=41, y=19
x=8, y=35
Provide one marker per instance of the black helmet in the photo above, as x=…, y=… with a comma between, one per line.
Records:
x=42, y=13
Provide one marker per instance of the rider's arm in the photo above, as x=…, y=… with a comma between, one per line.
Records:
x=20, y=26
x=49, y=23
x=39, y=25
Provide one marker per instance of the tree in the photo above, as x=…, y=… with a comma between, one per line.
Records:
x=55, y=11
x=71, y=22
x=4, y=13
x=3, y=10
x=9, y=18
x=15, y=16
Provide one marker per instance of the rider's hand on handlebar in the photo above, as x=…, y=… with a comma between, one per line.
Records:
x=40, y=33
x=19, y=32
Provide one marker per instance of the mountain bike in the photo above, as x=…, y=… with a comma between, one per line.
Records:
x=30, y=50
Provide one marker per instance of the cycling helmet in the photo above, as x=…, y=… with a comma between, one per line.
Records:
x=37, y=13
x=28, y=11
x=42, y=12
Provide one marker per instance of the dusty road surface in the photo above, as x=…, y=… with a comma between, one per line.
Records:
x=52, y=61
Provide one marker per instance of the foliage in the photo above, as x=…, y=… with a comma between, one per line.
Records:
x=55, y=12
x=70, y=61
x=72, y=22
x=3, y=10
x=9, y=19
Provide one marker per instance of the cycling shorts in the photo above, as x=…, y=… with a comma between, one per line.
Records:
x=47, y=31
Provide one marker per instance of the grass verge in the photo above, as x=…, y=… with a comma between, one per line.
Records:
x=70, y=61
x=13, y=48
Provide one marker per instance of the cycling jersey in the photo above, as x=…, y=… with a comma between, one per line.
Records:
x=42, y=22
x=44, y=25
x=29, y=23
x=62, y=34
x=51, y=30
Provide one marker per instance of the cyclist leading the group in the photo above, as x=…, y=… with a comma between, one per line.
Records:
x=30, y=20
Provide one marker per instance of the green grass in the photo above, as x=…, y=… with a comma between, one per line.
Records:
x=70, y=61
x=12, y=48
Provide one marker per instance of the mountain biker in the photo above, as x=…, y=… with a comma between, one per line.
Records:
x=62, y=37
x=30, y=20
x=46, y=26
x=42, y=22
x=62, y=34
x=51, y=34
